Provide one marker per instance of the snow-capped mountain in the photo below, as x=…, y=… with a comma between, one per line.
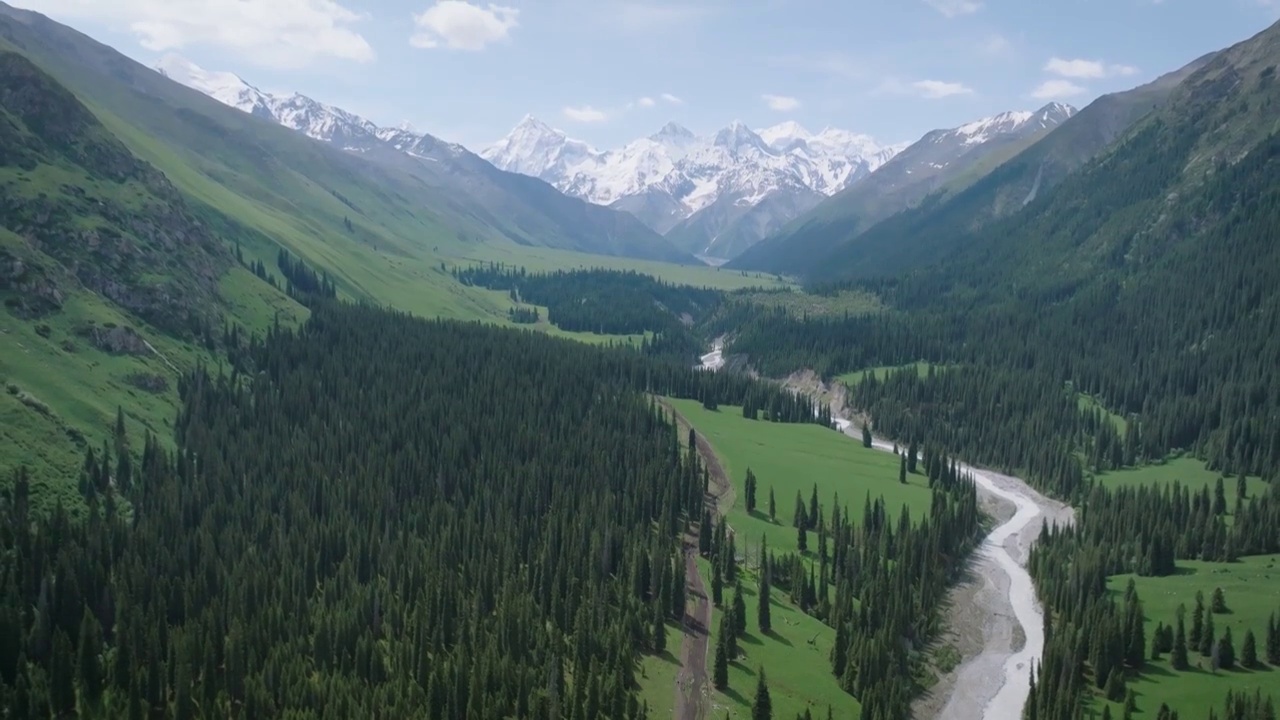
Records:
x=298, y=112
x=941, y=161
x=698, y=190
x=536, y=212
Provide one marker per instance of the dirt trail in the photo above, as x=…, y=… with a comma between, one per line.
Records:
x=693, y=688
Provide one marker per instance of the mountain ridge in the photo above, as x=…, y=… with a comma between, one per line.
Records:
x=670, y=178
x=930, y=164
x=592, y=229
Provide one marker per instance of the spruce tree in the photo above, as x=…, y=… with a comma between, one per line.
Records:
x=763, y=617
x=62, y=684
x=720, y=669
x=773, y=505
x=1197, y=621
x=89, y=660
x=911, y=457
x=902, y=470
x=1249, y=650
x=739, y=612
x=1242, y=491
x=761, y=706
x=1179, y=659
x=1219, y=498
x=750, y=488
x=1206, y=638
x=1226, y=650
x=1219, y=602
x=866, y=435
x=802, y=539
x=717, y=585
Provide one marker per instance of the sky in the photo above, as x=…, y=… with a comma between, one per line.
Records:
x=609, y=71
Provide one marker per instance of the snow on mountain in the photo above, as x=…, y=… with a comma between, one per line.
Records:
x=668, y=178
x=299, y=112
x=226, y=88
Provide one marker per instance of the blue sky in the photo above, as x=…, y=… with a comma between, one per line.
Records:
x=607, y=71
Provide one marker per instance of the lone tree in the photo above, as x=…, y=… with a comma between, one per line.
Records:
x=866, y=436
x=761, y=706
x=1219, y=602
x=902, y=470
x=750, y=488
x=773, y=505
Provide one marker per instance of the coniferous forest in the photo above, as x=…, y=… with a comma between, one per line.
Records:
x=371, y=516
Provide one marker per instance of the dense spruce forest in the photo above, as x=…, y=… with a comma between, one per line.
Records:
x=608, y=302
x=372, y=516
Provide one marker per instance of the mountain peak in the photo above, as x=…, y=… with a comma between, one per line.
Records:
x=674, y=130
x=736, y=135
x=225, y=87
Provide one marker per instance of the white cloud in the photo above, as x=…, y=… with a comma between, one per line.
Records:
x=934, y=89
x=459, y=25
x=584, y=114
x=671, y=99
x=1056, y=90
x=955, y=8
x=646, y=102
x=781, y=103
x=1086, y=69
x=276, y=33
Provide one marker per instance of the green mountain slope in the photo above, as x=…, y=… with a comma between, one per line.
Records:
x=111, y=282
x=395, y=205
x=862, y=235
x=1151, y=278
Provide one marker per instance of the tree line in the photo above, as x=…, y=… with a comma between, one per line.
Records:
x=370, y=516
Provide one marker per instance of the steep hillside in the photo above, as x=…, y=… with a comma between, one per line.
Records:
x=502, y=202
x=111, y=281
x=931, y=165
x=1149, y=279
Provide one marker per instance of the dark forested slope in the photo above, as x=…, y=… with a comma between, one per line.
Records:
x=374, y=516
x=1148, y=279
x=854, y=238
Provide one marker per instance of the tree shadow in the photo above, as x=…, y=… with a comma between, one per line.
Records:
x=735, y=695
x=773, y=635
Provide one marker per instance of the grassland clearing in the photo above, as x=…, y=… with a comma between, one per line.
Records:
x=1252, y=591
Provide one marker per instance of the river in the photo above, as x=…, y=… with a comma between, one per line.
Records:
x=993, y=680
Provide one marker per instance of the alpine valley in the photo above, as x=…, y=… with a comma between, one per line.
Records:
x=306, y=417
x=717, y=196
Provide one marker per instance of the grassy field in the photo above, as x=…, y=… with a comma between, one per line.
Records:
x=798, y=671
x=880, y=373
x=791, y=458
x=1088, y=402
x=1252, y=591
x=1189, y=471
x=544, y=259
x=797, y=302
x=657, y=675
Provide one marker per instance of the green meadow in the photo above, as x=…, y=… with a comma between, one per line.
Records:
x=1251, y=588
x=790, y=458
x=882, y=372
x=1189, y=471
